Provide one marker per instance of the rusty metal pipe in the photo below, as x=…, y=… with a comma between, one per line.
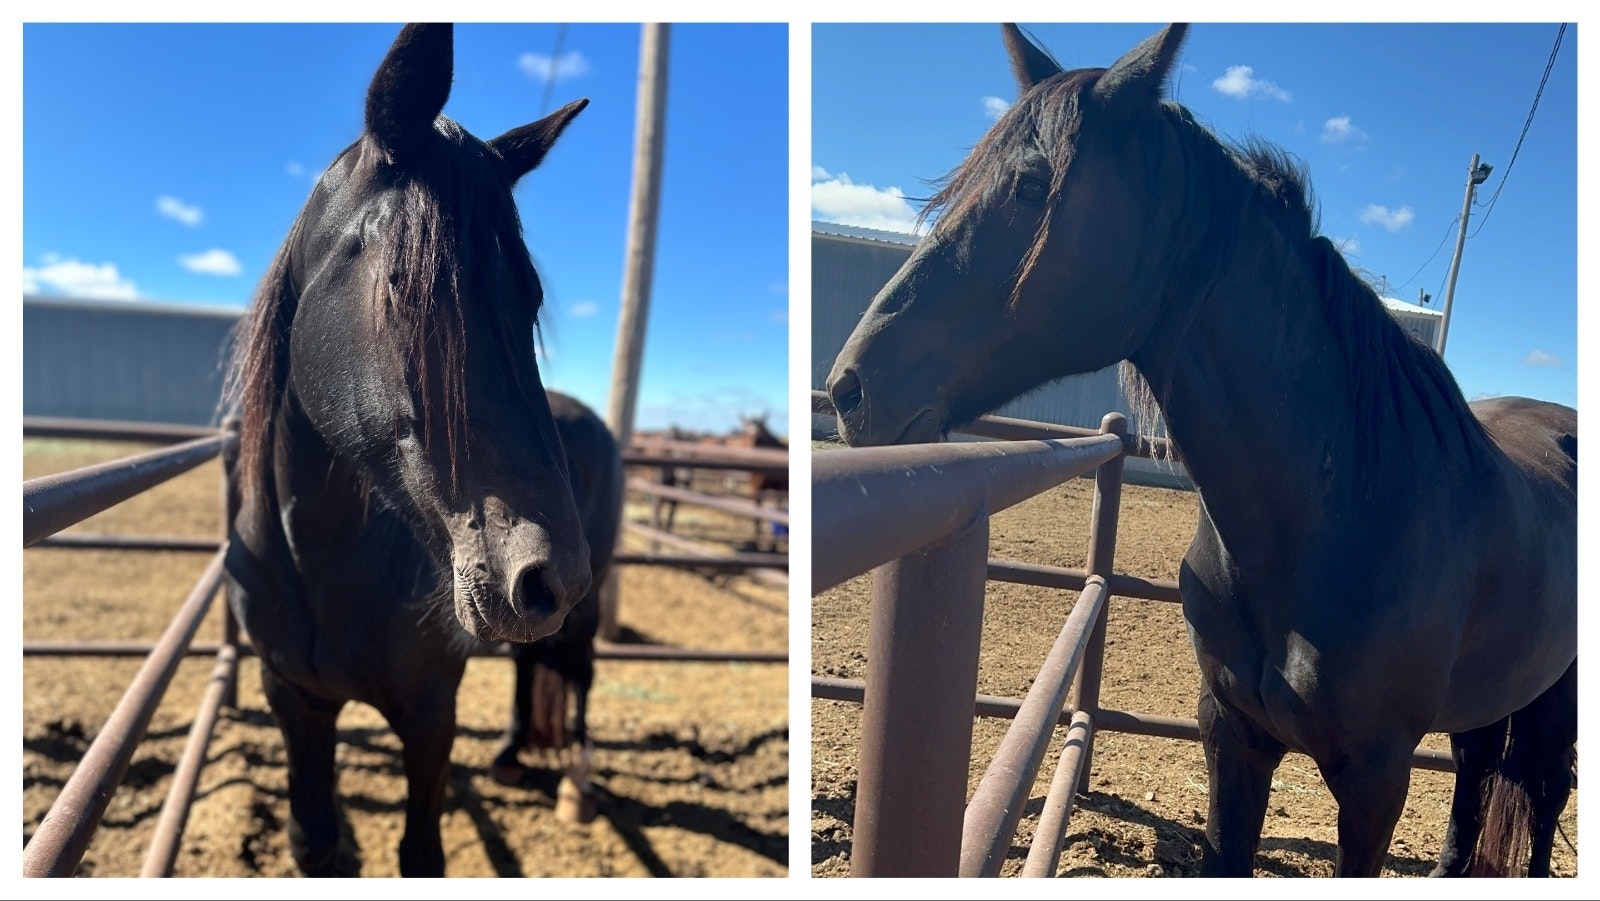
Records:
x=916, y=722
x=1103, y=521
x=736, y=506
x=602, y=651
x=635, y=458
x=770, y=576
x=130, y=543
x=112, y=429
x=871, y=505
x=731, y=561
x=1006, y=428
x=665, y=452
x=1122, y=586
x=181, y=543
x=51, y=503
x=164, y=843
x=1044, y=852
x=996, y=806
x=57, y=846
x=852, y=691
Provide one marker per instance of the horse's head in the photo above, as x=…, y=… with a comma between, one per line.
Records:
x=411, y=345
x=1042, y=262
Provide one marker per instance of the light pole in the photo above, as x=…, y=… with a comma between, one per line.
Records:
x=1476, y=175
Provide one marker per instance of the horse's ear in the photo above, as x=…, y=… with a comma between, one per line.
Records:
x=1141, y=75
x=1029, y=64
x=522, y=149
x=410, y=88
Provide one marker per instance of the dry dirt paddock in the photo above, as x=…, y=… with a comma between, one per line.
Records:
x=1144, y=814
x=691, y=759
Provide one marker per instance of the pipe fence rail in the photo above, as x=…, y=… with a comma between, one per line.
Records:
x=917, y=518
x=56, y=502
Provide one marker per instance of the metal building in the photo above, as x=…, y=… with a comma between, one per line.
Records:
x=1421, y=322
x=139, y=361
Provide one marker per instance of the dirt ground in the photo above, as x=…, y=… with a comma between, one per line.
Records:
x=691, y=759
x=1144, y=814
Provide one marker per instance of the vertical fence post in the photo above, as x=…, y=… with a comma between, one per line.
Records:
x=916, y=724
x=1102, y=552
x=230, y=511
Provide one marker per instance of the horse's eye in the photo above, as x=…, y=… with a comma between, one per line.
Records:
x=1032, y=191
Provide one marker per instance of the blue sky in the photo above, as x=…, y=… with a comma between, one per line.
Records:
x=1386, y=117
x=166, y=163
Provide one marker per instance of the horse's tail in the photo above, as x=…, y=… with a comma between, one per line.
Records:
x=1507, y=826
x=1529, y=788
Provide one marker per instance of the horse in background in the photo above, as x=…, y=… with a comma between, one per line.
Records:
x=764, y=486
x=401, y=488
x=1376, y=557
x=561, y=666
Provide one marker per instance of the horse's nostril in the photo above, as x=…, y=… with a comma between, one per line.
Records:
x=537, y=592
x=846, y=393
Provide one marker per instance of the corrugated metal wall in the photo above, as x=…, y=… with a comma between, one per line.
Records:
x=1423, y=328
x=118, y=360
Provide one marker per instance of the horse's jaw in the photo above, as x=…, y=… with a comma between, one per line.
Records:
x=509, y=583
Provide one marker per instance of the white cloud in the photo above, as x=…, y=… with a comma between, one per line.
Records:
x=819, y=174
x=842, y=201
x=583, y=309
x=1351, y=244
x=1240, y=82
x=173, y=208
x=1393, y=220
x=1338, y=130
x=295, y=169
x=73, y=278
x=1538, y=357
x=212, y=262
x=995, y=107
x=541, y=67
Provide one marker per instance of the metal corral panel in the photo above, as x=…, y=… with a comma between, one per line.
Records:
x=849, y=265
x=134, y=360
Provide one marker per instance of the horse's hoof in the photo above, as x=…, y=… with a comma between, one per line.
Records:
x=574, y=804
x=507, y=773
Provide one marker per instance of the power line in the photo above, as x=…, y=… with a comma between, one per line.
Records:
x=1435, y=253
x=555, y=61
x=1507, y=174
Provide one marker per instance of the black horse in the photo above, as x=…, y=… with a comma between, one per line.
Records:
x=557, y=666
x=1376, y=558
x=401, y=487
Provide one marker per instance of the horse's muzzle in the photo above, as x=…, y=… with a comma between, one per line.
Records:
x=514, y=579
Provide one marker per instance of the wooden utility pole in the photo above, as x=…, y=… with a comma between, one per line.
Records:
x=650, y=130
x=1476, y=175
x=638, y=264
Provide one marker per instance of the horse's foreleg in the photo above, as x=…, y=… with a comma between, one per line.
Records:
x=309, y=729
x=1240, y=760
x=426, y=729
x=1371, y=795
x=1477, y=755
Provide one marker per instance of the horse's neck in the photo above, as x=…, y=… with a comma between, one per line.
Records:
x=1256, y=391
